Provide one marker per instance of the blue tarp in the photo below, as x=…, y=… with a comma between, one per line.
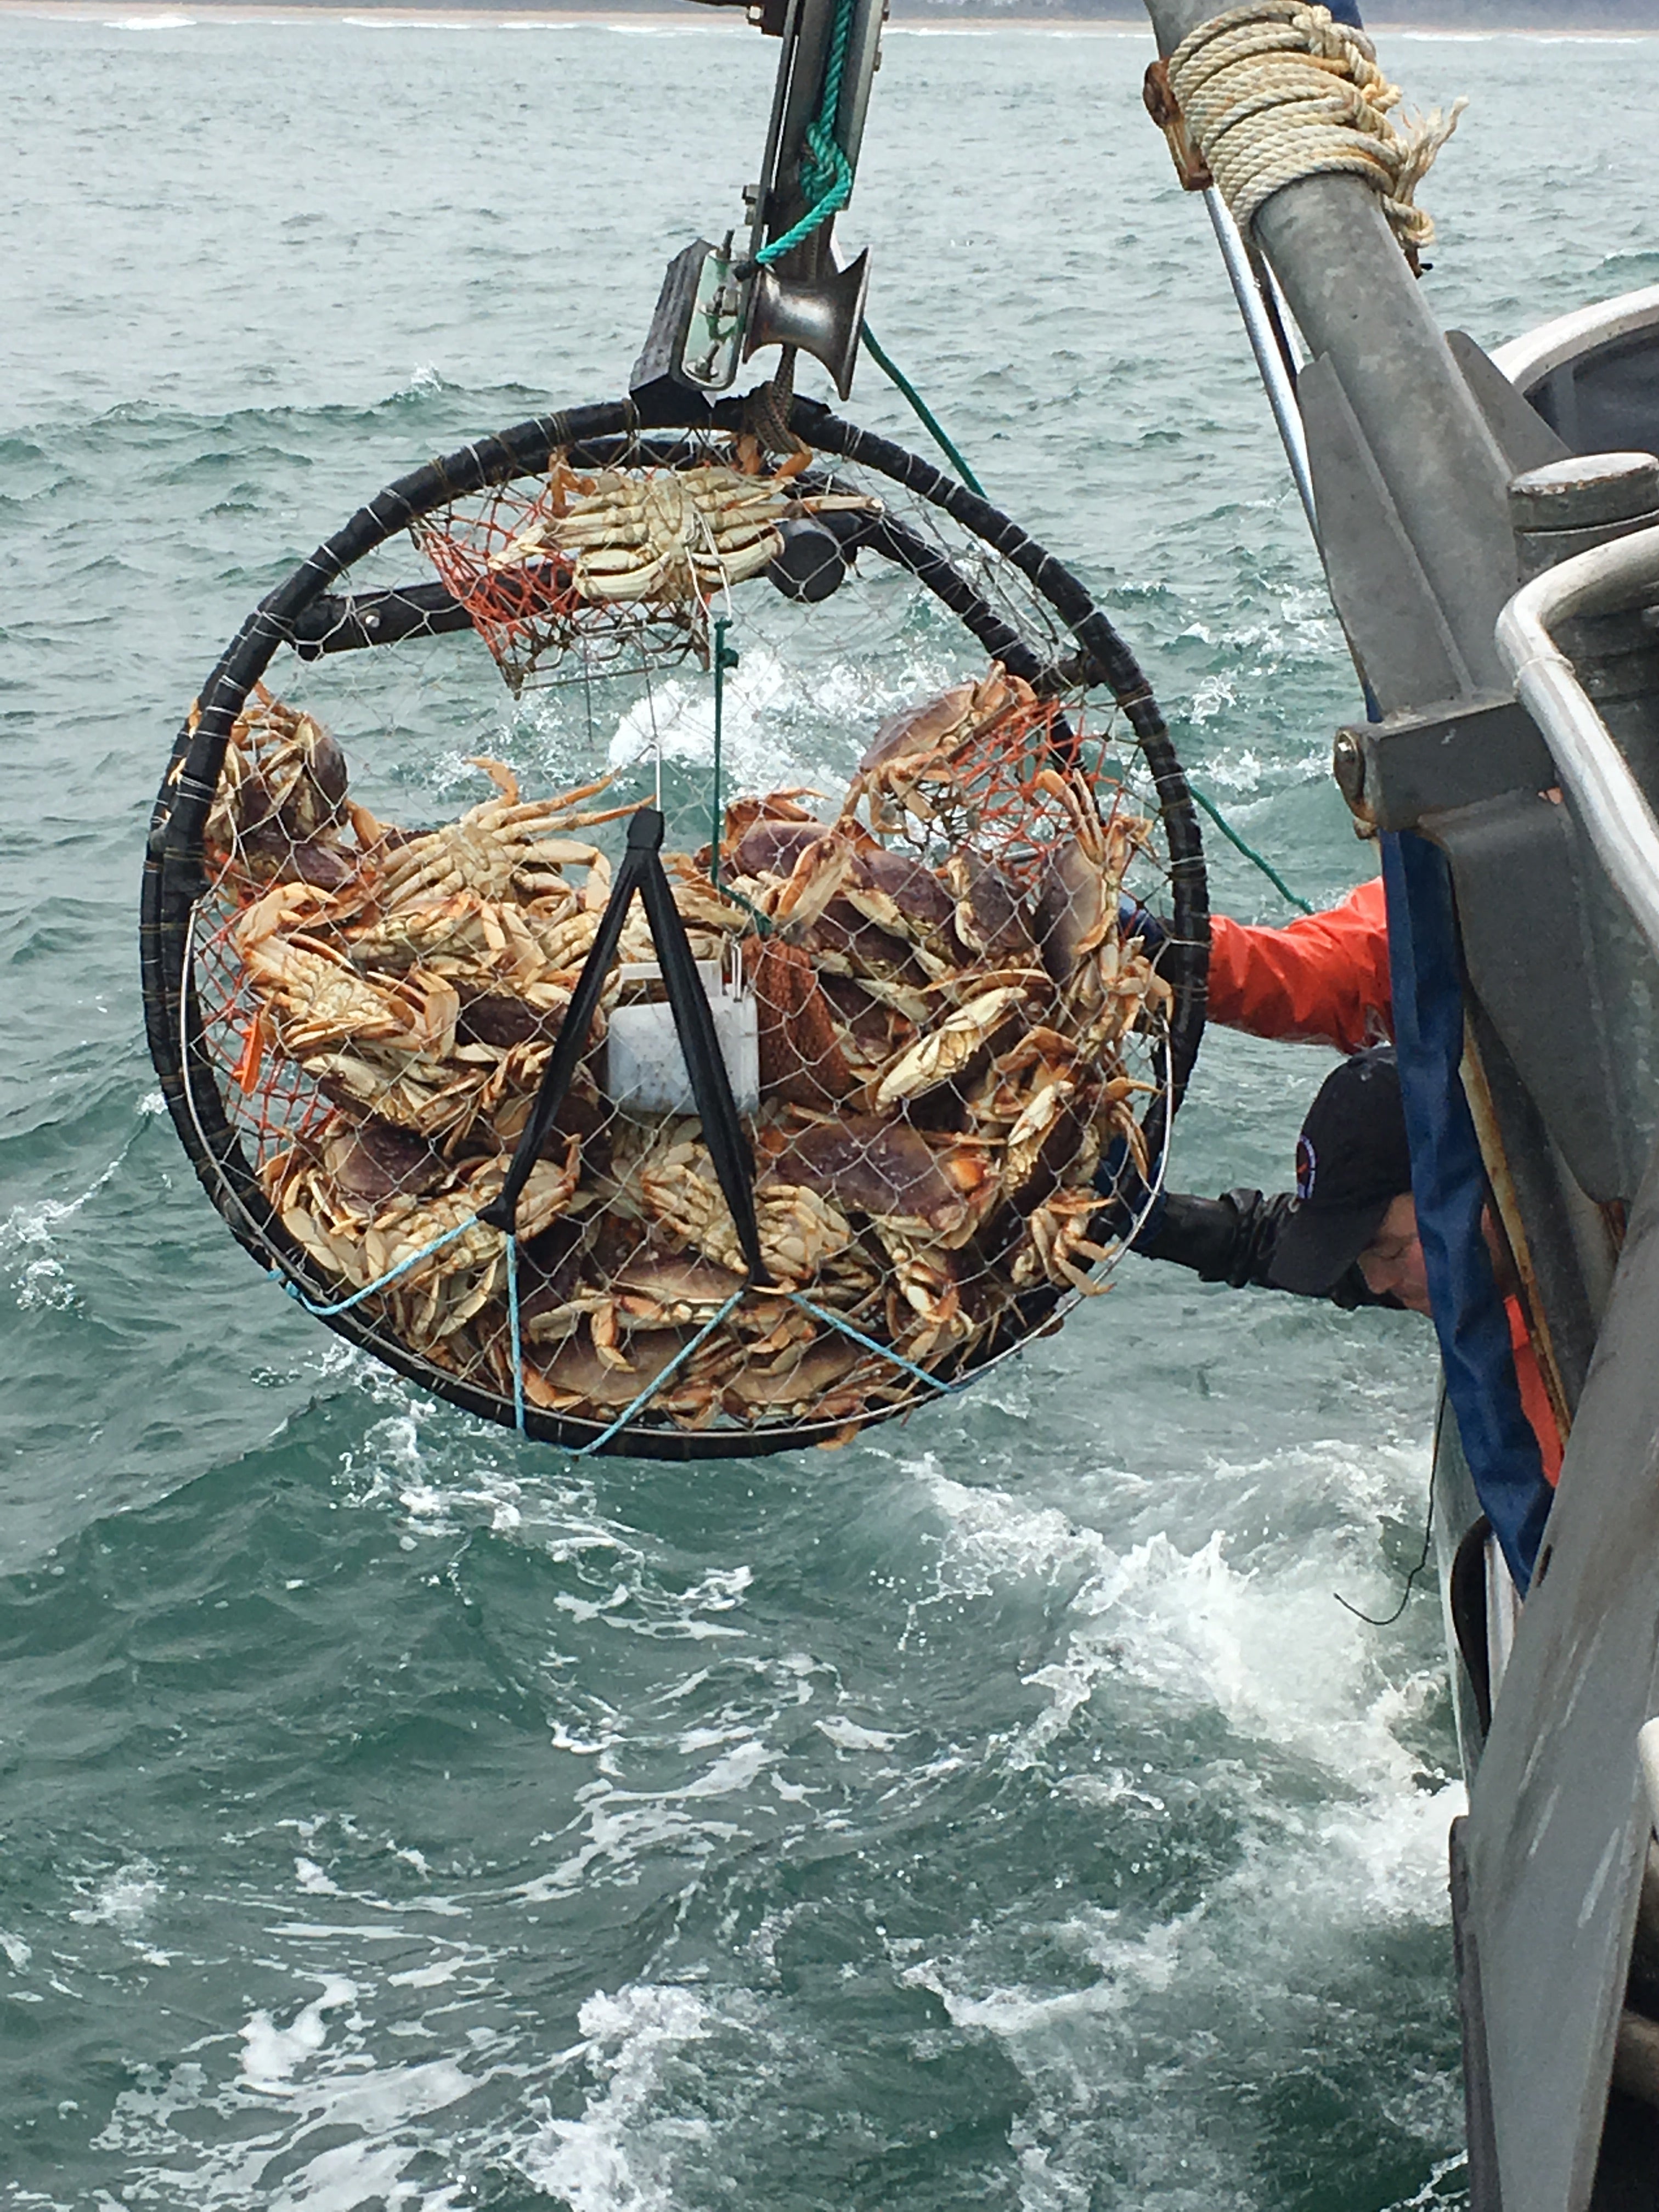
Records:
x=1448, y=1183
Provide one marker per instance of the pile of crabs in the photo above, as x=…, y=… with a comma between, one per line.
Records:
x=944, y=1020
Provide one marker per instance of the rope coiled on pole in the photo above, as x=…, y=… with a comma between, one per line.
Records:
x=1274, y=91
x=825, y=175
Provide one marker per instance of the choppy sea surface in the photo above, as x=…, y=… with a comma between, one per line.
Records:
x=1002, y=1811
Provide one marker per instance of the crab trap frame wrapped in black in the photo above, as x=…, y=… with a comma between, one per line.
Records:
x=722, y=1038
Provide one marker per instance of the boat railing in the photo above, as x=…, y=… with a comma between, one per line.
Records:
x=1608, y=579
x=1530, y=360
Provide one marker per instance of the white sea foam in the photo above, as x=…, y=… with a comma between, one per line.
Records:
x=30, y=1235
x=1264, y=1645
x=618, y=2156
x=1435, y=2190
x=623, y=1827
x=298, y=2079
x=125, y=1899
x=775, y=718
x=1251, y=1636
x=847, y=1735
x=270, y=2053
x=29, y=1244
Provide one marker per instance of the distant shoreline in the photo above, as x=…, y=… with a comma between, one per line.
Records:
x=436, y=15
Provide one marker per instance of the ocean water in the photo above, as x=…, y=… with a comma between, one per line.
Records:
x=1003, y=1811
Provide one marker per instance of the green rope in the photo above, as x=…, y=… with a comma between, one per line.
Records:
x=1248, y=851
x=923, y=413
x=825, y=175
x=937, y=432
x=763, y=921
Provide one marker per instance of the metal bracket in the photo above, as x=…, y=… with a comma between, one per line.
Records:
x=1157, y=97
x=660, y=369
x=719, y=305
x=1394, y=772
x=1524, y=438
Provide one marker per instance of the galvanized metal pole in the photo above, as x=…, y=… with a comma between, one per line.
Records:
x=1355, y=299
x=1264, y=345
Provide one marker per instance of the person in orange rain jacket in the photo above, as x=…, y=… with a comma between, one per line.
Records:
x=1349, y=1232
x=1320, y=980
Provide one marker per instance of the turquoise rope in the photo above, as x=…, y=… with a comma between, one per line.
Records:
x=923, y=412
x=345, y=1305
x=513, y=1321
x=884, y=1351
x=394, y=1274
x=599, y=1442
x=763, y=921
x=1248, y=851
x=825, y=176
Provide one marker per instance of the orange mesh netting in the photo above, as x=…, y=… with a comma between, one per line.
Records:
x=627, y=559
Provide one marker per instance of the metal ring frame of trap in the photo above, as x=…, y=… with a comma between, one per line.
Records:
x=302, y=613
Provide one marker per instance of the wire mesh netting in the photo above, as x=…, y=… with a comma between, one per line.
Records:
x=914, y=805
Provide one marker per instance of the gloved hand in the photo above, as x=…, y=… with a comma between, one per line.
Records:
x=1231, y=1239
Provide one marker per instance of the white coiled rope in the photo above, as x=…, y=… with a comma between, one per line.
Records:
x=1274, y=91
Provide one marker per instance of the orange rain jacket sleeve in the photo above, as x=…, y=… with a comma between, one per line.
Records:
x=1325, y=979
x=1322, y=979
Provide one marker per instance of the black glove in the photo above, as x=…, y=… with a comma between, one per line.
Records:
x=1231, y=1240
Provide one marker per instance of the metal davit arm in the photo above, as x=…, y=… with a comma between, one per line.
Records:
x=1412, y=504
x=1611, y=804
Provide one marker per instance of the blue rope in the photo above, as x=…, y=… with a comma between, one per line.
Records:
x=513, y=1321
x=885, y=1351
x=345, y=1305
x=599, y=1442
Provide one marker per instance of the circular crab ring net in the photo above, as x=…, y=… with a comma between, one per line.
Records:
x=748, y=1025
